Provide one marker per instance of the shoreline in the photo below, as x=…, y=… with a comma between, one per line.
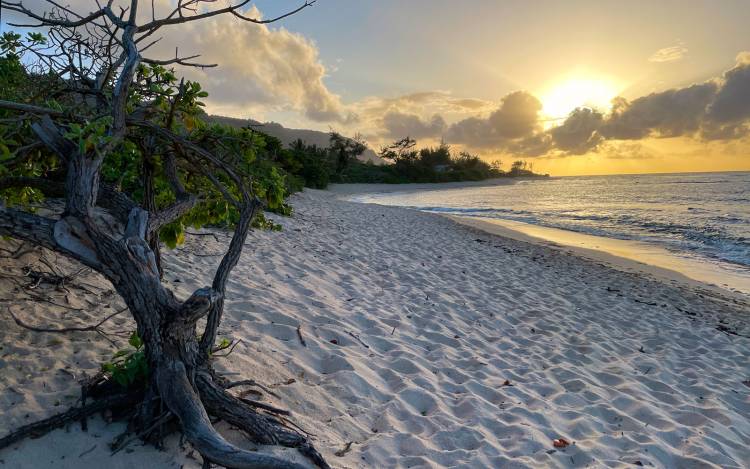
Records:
x=355, y=189
x=427, y=343
x=625, y=255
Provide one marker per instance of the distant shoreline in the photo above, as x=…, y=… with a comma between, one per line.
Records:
x=383, y=188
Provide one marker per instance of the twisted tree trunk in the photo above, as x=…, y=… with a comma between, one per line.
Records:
x=178, y=360
x=126, y=250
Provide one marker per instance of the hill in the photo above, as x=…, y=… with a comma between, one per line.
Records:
x=287, y=136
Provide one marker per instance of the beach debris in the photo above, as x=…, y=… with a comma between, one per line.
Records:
x=560, y=443
x=746, y=383
x=334, y=341
x=507, y=383
x=726, y=329
x=250, y=382
x=642, y=350
x=356, y=337
x=284, y=383
x=87, y=451
x=223, y=345
x=299, y=335
x=346, y=449
x=92, y=328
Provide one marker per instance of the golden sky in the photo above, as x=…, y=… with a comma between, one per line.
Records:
x=666, y=85
x=576, y=86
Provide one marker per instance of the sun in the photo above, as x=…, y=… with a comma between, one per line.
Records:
x=562, y=97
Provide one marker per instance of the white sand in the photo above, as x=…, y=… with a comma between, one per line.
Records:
x=628, y=368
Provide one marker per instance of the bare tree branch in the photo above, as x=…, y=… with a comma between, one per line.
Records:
x=233, y=9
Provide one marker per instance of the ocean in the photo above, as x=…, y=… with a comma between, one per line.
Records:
x=701, y=216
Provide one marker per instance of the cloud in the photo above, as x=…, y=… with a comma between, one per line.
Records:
x=258, y=67
x=717, y=109
x=469, y=103
x=516, y=118
x=669, y=113
x=422, y=115
x=261, y=68
x=669, y=54
x=399, y=125
x=625, y=151
x=579, y=133
x=732, y=102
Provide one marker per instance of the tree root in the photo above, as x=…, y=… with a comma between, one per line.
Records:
x=263, y=429
x=180, y=397
x=73, y=414
x=173, y=394
x=191, y=404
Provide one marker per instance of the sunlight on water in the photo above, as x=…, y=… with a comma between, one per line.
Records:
x=703, y=217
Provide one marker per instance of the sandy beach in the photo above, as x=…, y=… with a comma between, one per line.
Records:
x=427, y=343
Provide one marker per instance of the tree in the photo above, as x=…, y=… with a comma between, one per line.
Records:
x=116, y=136
x=431, y=157
x=400, y=151
x=314, y=164
x=518, y=167
x=497, y=166
x=345, y=150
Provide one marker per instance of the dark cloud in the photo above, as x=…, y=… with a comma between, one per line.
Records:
x=579, y=133
x=534, y=145
x=399, y=125
x=516, y=118
x=670, y=113
x=732, y=102
x=714, y=110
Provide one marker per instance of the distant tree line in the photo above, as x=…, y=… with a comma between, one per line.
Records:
x=316, y=167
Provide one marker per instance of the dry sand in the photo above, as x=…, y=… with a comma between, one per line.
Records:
x=429, y=344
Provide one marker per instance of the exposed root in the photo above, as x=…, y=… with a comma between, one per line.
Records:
x=178, y=394
x=264, y=429
x=73, y=414
x=122, y=442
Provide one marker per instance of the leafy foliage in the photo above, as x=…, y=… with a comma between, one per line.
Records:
x=164, y=101
x=129, y=367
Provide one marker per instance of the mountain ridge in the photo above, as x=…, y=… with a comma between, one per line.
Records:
x=288, y=135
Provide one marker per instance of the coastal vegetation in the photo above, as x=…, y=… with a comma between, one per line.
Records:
x=316, y=167
x=114, y=142
x=432, y=164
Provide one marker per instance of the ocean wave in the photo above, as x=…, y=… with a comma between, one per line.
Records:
x=706, y=215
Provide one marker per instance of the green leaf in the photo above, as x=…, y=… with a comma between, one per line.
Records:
x=135, y=341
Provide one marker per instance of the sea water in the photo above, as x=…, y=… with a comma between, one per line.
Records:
x=703, y=216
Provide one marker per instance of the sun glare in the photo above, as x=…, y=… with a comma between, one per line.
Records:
x=567, y=95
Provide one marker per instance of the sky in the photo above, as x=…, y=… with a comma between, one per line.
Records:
x=576, y=87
